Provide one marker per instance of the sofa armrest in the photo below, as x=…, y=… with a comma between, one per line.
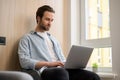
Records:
x=14, y=75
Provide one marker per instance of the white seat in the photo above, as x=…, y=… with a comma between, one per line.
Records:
x=14, y=75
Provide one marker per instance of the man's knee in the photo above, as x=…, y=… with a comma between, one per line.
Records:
x=55, y=74
x=80, y=74
x=92, y=75
x=96, y=77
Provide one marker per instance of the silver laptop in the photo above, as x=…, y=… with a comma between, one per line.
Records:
x=78, y=57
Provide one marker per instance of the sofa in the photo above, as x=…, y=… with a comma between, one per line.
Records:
x=14, y=75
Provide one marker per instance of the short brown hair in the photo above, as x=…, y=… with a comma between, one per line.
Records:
x=42, y=9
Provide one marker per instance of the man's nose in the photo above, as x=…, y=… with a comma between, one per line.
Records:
x=50, y=22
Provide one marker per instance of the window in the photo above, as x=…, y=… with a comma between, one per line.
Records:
x=95, y=31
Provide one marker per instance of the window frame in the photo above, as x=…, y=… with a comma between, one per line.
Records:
x=76, y=31
x=96, y=43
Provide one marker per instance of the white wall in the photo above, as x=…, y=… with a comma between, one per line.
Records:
x=115, y=33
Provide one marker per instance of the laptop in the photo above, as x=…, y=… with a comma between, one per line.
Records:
x=78, y=57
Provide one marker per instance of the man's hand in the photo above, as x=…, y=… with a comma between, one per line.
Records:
x=55, y=64
x=49, y=64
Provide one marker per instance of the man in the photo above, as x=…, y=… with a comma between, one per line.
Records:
x=40, y=51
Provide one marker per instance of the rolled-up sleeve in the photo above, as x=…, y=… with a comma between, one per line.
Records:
x=24, y=54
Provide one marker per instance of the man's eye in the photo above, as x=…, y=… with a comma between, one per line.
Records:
x=48, y=19
x=52, y=20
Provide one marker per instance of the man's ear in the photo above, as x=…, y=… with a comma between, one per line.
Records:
x=38, y=19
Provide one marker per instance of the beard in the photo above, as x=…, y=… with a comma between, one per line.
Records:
x=45, y=28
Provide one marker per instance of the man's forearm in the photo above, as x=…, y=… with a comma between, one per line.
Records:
x=48, y=64
x=41, y=64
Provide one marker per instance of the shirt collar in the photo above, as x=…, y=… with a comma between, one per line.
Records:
x=34, y=32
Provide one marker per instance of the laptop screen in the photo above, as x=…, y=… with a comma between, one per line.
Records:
x=78, y=57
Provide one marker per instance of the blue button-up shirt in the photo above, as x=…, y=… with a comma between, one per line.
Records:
x=32, y=49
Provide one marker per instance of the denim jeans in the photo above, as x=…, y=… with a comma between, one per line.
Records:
x=55, y=73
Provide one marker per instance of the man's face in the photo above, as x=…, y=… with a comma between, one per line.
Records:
x=46, y=21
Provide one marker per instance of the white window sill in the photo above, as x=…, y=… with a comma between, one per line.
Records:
x=104, y=73
x=107, y=75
